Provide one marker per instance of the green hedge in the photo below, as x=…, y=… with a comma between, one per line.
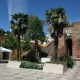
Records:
x=30, y=65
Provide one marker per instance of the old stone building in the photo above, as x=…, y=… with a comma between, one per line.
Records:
x=69, y=43
x=72, y=40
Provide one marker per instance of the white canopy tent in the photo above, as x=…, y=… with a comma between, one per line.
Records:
x=6, y=51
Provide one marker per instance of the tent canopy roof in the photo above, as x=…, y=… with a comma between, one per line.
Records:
x=5, y=50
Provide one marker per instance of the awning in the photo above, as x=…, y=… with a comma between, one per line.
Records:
x=5, y=50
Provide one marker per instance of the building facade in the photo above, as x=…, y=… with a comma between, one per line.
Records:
x=72, y=40
x=69, y=43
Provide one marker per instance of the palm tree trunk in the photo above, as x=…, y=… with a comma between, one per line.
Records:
x=55, y=49
x=18, y=47
x=37, y=53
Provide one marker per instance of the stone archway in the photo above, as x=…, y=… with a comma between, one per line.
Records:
x=69, y=46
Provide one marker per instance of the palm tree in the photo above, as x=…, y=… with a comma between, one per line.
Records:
x=56, y=18
x=19, y=25
x=37, y=33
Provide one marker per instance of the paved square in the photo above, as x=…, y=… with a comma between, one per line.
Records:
x=7, y=73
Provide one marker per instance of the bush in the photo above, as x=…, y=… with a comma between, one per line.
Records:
x=69, y=61
x=30, y=65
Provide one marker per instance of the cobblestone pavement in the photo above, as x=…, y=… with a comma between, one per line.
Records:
x=7, y=73
x=71, y=74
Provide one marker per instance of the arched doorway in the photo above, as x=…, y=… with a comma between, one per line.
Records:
x=69, y=46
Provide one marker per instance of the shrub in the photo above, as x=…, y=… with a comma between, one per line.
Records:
x=30, y=65
x=69, y=61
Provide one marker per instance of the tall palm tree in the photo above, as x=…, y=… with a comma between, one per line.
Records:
x=37, y=33
x=19, y=25
x=57, y=19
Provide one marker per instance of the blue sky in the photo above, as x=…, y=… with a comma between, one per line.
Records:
x=37, y=7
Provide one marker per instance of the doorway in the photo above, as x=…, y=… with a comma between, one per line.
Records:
x=69, y=46
x=5, y=56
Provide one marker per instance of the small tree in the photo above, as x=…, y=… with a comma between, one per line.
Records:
x=10, y=43
x=37, y=33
